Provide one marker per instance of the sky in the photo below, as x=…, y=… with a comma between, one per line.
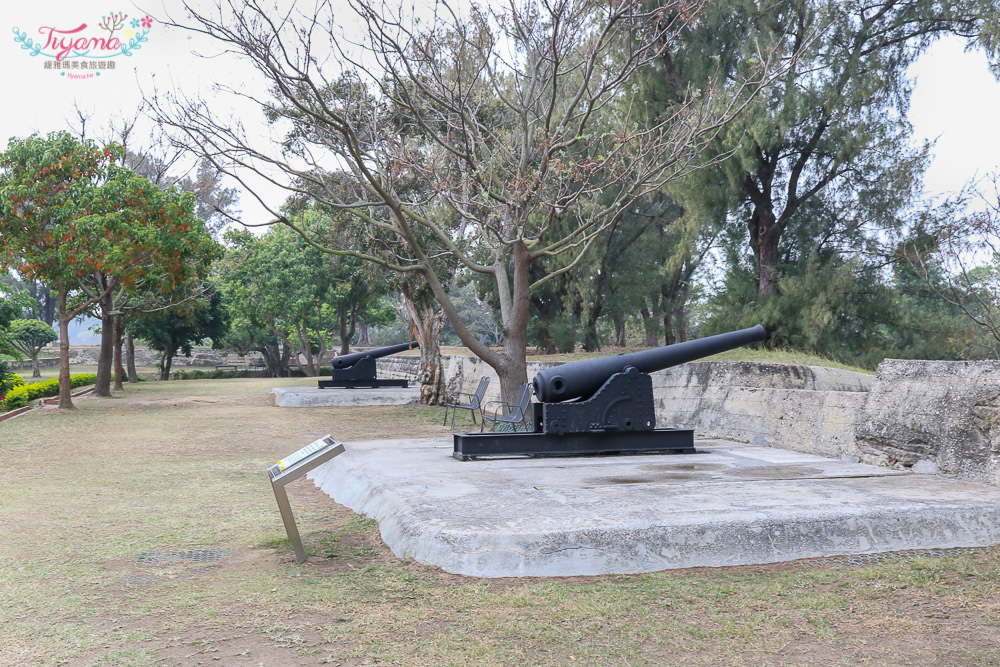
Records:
x=954, y=103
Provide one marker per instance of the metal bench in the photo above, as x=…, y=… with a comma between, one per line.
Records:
x=474, y=402
x=509, y=417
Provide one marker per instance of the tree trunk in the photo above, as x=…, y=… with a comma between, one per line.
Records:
x=119, y=370
x=649, y=327
x=65, y=390
x=102, y=386
x=680, y=319
x=510, y=365
x=166, y=362
x=591, y=339
x=306, y=348
x=668, y=327
x=345, y=340
x=36, y=369
x=765, y=235
x=512, y=369
x=364, y=336
x=619, y=321
x=428, y=320
x=133, y=375
x=275, y=358
x=674, y=291
x=353, y=320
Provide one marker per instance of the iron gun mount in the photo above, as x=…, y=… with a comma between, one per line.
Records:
x=602, y=406
x=358, y=369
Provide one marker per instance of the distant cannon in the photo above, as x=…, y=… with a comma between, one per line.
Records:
x=359, y=370
x=602, y=405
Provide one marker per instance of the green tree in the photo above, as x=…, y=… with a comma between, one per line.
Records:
x=48, y=230
x=833, y=127
x=250, y=335
x=8, y=311
x=155, y=247
x=823, y=176
x=72, y=218
x=36, y=299
x=176, y=328
x=299, y=294
x=953, y=259
x=29, y=337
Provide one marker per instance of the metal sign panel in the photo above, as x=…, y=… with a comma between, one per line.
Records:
x=291, y=468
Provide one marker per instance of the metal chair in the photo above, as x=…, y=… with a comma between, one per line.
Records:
x=474, y=402
x=511, y=415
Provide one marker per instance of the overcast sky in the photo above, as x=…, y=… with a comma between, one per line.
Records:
x=955, y=99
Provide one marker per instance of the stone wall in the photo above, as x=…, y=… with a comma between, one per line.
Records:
x=803, y=408
x=934, y=416
x=27, y=365
x=200, y=357
x=397, y=367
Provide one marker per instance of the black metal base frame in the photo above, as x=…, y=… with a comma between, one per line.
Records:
x=659, y=441
x=355, y=384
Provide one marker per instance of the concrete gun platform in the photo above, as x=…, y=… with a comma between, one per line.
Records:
x=729, y=504
x=314, y=397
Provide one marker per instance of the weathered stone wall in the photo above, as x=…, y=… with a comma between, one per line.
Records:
x=397, y=367
x=26, y=365
x=803, y=408
x=200, y=357
x=934, y=416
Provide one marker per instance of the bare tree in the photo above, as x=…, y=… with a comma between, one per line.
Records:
x=463, y=132
x=960, y=262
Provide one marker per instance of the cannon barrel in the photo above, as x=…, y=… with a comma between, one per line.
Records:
x=580, y=379
x=348, y=360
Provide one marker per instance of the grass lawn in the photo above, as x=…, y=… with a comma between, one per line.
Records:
x=142, y=530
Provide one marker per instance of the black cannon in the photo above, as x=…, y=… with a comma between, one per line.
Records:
x=602, y=406
x=358, y=369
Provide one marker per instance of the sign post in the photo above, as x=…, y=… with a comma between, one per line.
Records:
x=291, y=468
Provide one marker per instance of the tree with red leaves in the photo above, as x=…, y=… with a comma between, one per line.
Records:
x=92, y=229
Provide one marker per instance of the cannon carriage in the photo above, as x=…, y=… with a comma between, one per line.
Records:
x=359, y=370
x=602, y=406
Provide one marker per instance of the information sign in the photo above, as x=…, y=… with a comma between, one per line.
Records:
x=291, y=468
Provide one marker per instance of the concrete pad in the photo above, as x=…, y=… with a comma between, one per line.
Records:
x=729, y=504
x=313, y=397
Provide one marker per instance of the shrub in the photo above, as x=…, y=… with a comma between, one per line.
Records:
x=20, y=396
x=81, y=380
x=6, y=377
x=17, y=398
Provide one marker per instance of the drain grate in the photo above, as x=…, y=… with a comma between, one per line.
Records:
x=188, y=556
x=162, y=566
